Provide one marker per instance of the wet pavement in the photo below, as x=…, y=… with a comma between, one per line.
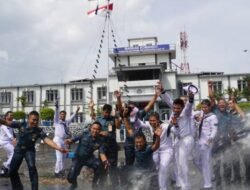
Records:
x=45, y=160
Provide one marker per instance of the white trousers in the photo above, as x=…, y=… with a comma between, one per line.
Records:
x=9, y=149
x=203, y=161
x=162, y=160
x=183, y=151
x=59, y=156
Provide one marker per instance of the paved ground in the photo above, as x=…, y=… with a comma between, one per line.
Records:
x=45, y=164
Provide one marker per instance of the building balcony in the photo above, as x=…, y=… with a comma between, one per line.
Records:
x=145, y=66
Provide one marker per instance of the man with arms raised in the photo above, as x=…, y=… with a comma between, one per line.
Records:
x=61, y=133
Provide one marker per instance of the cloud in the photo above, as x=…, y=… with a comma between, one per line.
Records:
x=4, y=56
x=57, y=41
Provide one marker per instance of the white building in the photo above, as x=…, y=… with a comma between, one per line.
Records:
x=137, y=68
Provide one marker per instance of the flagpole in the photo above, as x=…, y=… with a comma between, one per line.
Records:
x=108, y=15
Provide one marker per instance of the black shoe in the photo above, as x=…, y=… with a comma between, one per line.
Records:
x=73, y=186
x=218, y=183
x=4, y=172
x=59, y=175
x=62, y=174
x=172, y=182
x=177, y=188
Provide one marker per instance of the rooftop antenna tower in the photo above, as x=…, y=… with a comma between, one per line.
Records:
x=184, y=46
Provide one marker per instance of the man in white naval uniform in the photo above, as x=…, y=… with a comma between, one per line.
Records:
x=164, y=155
x=61, y=133
x=181, y=119
x=7, y=142
x=182, y=115
x=207, y=129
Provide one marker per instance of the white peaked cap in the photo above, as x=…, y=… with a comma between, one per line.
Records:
x=191, y=88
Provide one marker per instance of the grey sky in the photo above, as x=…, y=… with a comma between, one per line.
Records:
x=49, y=41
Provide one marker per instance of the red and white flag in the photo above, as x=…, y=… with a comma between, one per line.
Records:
x=98, y=10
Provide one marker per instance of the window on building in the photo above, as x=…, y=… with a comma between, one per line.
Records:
x=76, y=94
x=51, y=95
x=102, y=92
x=217, y=86
x=149, y=44
x=78, y=118
x=29, y=95
x=241, y=85
x=164, y=114
x=151, y=74
x=5, y=98
x=183, y=84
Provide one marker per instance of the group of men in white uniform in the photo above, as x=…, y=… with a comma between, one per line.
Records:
x=177, y=141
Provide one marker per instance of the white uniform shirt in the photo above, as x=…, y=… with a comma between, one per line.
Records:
x=6, y=134
x=62, y=126
x=166, y=142
x=209, y=128
x=185, y=123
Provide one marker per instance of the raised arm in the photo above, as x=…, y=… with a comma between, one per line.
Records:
x=127, y=122
x=189, y=105
x=240, y=111
x=117, y=123
x=73, y=115
x=211, y=93
x=118, y=100
x=151, y=103
x=164, y=95
x=92, y=110
x=56, y=114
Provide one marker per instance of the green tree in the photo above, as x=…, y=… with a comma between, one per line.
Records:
x=198, y=106
x=98, y=111
x=23, y=101
x=218, y=95
x=233, y=93
x=45, y=103
x=47, y=114
x=19, y=115
x=245, y=106
x=246, y=91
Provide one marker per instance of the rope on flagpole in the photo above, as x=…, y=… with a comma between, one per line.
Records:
x=98, y=56
x=125, y=87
